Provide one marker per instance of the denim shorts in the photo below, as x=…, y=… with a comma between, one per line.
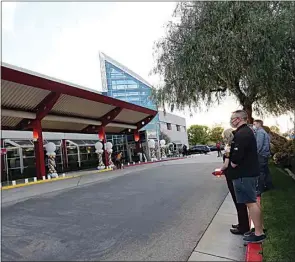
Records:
x=245, y=189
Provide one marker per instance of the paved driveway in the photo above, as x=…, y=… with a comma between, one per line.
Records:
x=157, y=213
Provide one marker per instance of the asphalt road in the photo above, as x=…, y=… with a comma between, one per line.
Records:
x=158, y=213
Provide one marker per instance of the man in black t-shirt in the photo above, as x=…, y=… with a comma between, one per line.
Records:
x=243, y=218
x=244, y=171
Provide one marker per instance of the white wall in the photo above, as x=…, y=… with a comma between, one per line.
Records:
x=174, y=120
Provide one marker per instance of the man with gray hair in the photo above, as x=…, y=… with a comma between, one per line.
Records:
x=244, y=171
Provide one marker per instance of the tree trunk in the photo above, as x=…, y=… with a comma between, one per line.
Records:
x=248, y=109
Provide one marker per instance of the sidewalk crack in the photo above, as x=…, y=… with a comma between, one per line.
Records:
x=214, y=255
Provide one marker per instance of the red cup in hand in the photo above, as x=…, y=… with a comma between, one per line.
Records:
x=217, y=173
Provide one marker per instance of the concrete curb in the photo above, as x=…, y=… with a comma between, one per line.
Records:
x=202, y=235
x=158, y=161
x=79, y=175
x=254, y=251
x=53, y=179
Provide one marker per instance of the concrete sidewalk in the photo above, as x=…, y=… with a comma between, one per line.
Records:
x=218, y=244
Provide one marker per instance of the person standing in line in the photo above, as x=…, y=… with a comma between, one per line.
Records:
x=243, y=225
x=184, y=150
x=118, y=160
x=218, y=146
x=244, y=170
x=263, y=150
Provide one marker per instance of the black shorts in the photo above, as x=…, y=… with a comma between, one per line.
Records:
x=245, y=189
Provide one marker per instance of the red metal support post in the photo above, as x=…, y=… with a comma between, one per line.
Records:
x=39, y=150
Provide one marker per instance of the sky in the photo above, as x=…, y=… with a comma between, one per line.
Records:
x=63, y=40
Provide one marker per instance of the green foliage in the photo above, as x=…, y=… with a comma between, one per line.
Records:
x=198, y=134
x=282, y=149
x=284, y=154
x=285, y=72
x=216, y=134
x=279, y=218
x=220, y=48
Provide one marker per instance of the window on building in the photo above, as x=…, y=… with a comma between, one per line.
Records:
x=169, y=127
x=132, y=86
x=136, y=92
x=132, y=93
x=131, y=82
x=134, y=99
x=178, y=128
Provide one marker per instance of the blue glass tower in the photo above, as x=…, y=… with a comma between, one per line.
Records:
x=121, y=83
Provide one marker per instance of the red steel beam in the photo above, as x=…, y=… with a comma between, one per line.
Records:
x=105, y=119
x=46, y=105
x=144, y=122
x=139, y=124
x=41, y=110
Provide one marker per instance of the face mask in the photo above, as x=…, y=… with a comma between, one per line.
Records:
x=232, y=123
x=254, y=127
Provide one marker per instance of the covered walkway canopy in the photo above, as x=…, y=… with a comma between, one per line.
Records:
x=31, y=101
x=28, y=96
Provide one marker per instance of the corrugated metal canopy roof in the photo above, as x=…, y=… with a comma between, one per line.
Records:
x=62, y=106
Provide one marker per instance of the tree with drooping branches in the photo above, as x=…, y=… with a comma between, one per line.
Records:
x=220, y=49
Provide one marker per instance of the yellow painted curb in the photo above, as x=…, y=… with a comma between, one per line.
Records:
x=53, y=179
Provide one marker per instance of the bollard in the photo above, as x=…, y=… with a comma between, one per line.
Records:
x=133, y=163
x=26, y=181
x=63, y=175
x=35, y=179
x=128, y=164
x=138, y=162
x=13, y=182
x=48, y=177
x=43, y=177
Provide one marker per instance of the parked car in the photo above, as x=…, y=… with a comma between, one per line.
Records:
x=214, y=148
x=198, y=149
